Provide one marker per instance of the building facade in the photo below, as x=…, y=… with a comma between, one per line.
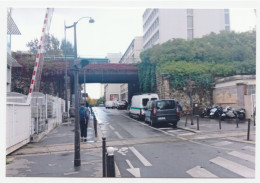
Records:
x=132, y=54
x=12, y=29
x=161, y=25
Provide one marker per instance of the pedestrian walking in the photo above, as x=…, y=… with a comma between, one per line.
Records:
x=84, y=117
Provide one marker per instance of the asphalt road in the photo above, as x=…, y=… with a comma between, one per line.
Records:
x=188, y=155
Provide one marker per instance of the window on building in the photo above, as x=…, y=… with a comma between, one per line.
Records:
x=226, y=18
x=190, y=34
x=227, y=27
x=190, y=11
x=190, y=22
x=250, y=89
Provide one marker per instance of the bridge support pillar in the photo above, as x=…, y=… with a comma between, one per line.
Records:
x=133, y=87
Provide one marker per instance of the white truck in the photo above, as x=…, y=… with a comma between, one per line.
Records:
x=109, y=104
x=138, y=103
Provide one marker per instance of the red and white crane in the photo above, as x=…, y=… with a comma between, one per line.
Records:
x=37, y=71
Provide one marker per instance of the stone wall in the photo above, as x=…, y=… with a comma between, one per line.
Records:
x=165, y=91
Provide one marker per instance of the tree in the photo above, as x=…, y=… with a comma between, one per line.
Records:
x=52, y=46
x=68, y=49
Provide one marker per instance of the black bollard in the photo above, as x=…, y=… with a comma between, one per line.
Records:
x=248, y=130
x=186, y=119
x=95, y=125
x=219, y=121
x=104, y=156
x=110, y=162
x=191, y=118
x=198, y=126
x=237, y=121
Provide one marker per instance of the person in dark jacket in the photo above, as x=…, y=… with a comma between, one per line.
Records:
x=83, y=117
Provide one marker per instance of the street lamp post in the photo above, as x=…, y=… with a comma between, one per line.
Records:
x=77, y=161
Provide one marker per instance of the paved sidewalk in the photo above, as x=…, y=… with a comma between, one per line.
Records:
x=207, y=125
x=53, y=156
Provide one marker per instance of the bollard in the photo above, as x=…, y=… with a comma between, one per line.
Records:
x=104, y=156
x=95, y=125
x=198, y=126
x=186, y=119
x=237, y=121
x=191, y=118
x=110, y=162
x=219, y=121
x=248, y=130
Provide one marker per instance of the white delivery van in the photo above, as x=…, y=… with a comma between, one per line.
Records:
x=109, y=104
x=138, y=103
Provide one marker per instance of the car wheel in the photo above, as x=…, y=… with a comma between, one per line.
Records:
x=174, y=124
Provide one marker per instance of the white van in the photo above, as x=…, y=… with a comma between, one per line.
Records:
x=109, y=104
x=138, y=103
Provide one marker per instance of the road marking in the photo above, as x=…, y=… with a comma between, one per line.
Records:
x=199, y=172
x=243, y=156
x=118, y=135
x=223, y=143
x=250, y=148
x=166, y=128
x=70, y=173
x=111, y=127
x=234, y=167
x=134, y=171
x=149, y=126
x=186, y=134
x=140, y=157
x=118, y=174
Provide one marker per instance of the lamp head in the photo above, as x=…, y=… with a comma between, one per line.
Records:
x=91, y=20
x=80, y=63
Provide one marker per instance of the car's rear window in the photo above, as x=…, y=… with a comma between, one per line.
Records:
x=153, y=99
x=166, y=104
x=145, y=100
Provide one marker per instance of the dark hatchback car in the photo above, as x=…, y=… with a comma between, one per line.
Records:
x=122, y=104
x=162, y=111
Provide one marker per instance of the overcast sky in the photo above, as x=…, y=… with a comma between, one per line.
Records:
x=112, y=32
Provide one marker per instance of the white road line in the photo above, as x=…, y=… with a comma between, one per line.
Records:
x=111, y=127
x=199, y=172
x=70, y=173
x=140, y=157
x=250, y=148
x=129, y=164
x=166, y=128
x=149, y=126
x=185, y=134
x=118, y=174
x=234, y=167
x=118, y=135
x=222, y=143
x=243, y=156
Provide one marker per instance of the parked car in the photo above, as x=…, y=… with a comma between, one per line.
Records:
x=109, y=104
x=138, y=103
x=115, y=104
x=162, y=111
x=122, y=104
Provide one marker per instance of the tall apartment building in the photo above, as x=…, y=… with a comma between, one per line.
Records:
x=161, y=25
x=132, y=54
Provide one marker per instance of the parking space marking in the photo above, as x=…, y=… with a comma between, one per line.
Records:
x=222, y=143
x=140, y=157
x=199, y=172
